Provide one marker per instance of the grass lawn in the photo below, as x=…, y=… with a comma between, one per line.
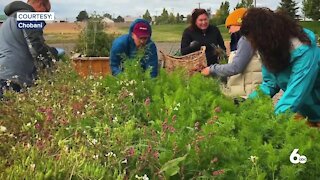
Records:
x=56, y=38
x=173, y=33
x=313, y=26
x=161, y=33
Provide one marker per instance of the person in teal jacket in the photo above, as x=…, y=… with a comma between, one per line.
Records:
x=139, y=37
x=290, y=58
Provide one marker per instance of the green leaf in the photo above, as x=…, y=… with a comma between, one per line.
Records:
x=171, y=167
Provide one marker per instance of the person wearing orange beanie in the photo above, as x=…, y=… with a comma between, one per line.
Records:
x=234, y=20
x=244, y=67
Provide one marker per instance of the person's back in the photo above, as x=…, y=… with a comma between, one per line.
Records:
x=14, y=48
x=23, y=52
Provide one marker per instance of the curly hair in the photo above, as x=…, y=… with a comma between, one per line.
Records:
x=195, y=14
x=270, y=33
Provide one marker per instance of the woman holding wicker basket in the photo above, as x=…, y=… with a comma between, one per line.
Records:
x=201, y=33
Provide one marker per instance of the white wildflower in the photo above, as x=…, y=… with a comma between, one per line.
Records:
x=95, y=156
x=131, y=94
x=125, y=161
x=144, y=177
x=94, y=141
x=178, y=105
x=111, y=154
x=28, y=124
x=66, y=148
x=3, y=129
x=176, y=109
x=32, y=167
x=132, y=82
x=115, y=119
x=253, y=159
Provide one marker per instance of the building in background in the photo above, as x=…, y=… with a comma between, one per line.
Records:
x=130, y=19
x=107, y=21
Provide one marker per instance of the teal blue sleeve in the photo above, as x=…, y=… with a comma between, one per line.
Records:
x=303, y=76
x=268, y=86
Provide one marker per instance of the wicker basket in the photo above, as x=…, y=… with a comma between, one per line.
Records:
x=191, y=62
x=95, y=66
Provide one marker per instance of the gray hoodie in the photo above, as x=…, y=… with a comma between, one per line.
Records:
x=242, y=58
x=22, y=52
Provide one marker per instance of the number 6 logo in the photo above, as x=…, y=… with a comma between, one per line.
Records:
x=295, y=158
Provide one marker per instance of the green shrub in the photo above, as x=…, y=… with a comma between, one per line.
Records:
x=93, y=41
x=132, y=126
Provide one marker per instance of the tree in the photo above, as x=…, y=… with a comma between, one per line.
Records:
x=83, y=15
x=189, y=18
x=179, y=18
x=244, y=4
x=289, y=6
x=311, y=9
x=163, y=18
x=147, y=16
x=172, y=19
x=221, y=14
x=107, y=15
x=118, y=19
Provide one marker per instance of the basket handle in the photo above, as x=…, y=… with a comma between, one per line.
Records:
x=162, y=65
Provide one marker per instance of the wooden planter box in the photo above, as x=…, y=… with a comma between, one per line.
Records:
x=95, y=66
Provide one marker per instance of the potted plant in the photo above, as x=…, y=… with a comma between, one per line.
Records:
x=93, y=48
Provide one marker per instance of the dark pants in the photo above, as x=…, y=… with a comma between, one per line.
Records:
x=5, y=85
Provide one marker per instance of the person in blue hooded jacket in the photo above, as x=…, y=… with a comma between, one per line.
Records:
x=290, y=58
x=139, y=37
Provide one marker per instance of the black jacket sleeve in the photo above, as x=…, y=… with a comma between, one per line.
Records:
x=43, y=54
x=220, y=40
x=185, y=43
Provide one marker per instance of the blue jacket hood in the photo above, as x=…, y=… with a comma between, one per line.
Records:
x=303, y=48
x=138, y=21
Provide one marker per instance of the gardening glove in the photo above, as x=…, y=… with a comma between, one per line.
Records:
x=195, y=45
x=61, y=52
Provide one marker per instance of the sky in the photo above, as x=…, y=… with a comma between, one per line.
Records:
x=69, y=9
